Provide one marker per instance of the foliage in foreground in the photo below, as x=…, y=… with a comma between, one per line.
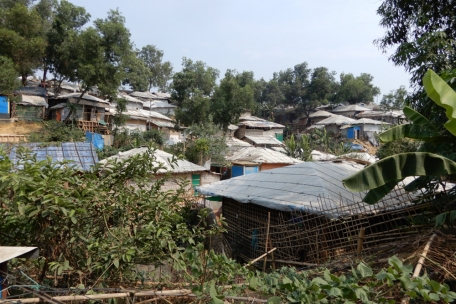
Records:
x=92, y=225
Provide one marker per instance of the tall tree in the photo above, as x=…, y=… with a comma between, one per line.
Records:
x=101, y=51
x=22, y=39
x=137, y=74
x=356, y=89
x=193, y=88
x=395, y=100
x=232, y=97
x=8, y=76
x=294, y=83
x=271, y=97
x=421, y=34
x=159, y=72
x=61, y=55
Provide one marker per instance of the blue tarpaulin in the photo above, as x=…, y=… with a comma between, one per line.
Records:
x=4, y=105
x=96, y=139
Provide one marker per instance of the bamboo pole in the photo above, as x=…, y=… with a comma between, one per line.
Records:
x=418, y=267
x=260, y=257
x=71, y=298
x=272, y=256
x=294, y=263
x=360, y=241
x=266, y=242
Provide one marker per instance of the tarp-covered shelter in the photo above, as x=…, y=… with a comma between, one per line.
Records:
x=31, y=104
x=81, y=155
x=312, y=216
x=179, y=170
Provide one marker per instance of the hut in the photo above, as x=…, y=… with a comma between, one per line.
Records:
x=253, y=159
x=395, y=117
x=89, y=114
x=351, y=110
x=333, y=123
x=258, y=131
x=312, y=217
x=177, y=172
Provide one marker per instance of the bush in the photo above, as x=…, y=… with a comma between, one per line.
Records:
x=55, y=131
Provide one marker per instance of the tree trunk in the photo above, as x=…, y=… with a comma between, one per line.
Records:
x=77, y=102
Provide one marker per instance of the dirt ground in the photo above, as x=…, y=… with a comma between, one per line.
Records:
x=20, y=128
x=370, y=148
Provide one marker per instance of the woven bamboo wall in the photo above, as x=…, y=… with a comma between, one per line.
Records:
x=315, y=238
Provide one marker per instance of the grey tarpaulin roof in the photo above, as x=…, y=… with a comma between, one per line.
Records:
x=354, y=107
x=260, y=156
x=298, y=187
x=336, y=119
x=8, y=253
x=31, y=100
x=264, y=140
x=162, y=157
x=82, y=155
x=321, y=113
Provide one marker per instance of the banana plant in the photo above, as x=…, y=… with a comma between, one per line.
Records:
x=381, y=177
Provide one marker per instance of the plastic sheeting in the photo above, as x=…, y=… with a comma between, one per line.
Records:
x=96, y=139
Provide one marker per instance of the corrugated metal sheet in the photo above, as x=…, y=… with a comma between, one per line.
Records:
x=261, y=155
x=297, y=187
x=264, y=140
x=8, y=253
x=163, y=158
x=261, y=124
x=30, y=100
x=395, y=114
x=161, y=104
x=82, y=155
x=147, y=95
x=32, y=90
x=129, y=98
x=367, y=121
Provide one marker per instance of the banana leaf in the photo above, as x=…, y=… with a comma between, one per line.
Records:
x=422, y=132
x=417, y=118
x=398, y=167
x=443, y=95
x=374, y=195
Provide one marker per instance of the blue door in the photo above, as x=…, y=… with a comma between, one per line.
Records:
x=237, y=171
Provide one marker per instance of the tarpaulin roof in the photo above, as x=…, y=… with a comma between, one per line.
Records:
x=313, y=187
x=161, y=123
x=336, y=119
x=348, y=108
x=141, y=114
x=8, y=253
x=260, y=156
x=161, y=157
x=82, y=156
x=321, y=113
x=31, y=100
x=89, y=99
x=264, y=140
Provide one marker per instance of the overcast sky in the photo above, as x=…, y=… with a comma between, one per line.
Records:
x=263, y=36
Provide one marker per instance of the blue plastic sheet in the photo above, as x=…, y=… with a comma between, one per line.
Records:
x=96, y=139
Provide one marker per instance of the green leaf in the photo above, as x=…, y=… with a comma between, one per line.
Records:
x=274, y=300
x=416, y=118
x=253, y=283
x=74, y=220
x=213, y=294
x=435, y=285
x=365, y=270
x=443, y=95
x=374, y=195
x=398, y=167
x=434, y=296
x=335, y=292
x=425, y=133
x=361, y=294
x=319, y=281
x=116, y=263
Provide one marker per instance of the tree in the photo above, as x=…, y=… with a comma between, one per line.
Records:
x=271, y=97
x=22, y=39
x=232, y=97
x=159, y=72
x=356, y=89
x=395, y=100
x=193, y=88
x=101, y=51
x=294, y=83
x=421, y=34
x=61, y=56
x=8, y=76
x=137, y=73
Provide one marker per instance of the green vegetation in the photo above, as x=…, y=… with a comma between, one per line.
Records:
x=55, y=131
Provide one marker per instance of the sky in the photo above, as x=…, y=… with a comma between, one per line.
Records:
x=263, y=36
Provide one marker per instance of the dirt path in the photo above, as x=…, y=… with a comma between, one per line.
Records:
x=20, y=127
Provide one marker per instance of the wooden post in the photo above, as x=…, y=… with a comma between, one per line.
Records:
x=272, y=255
x=266, y=242
x=418, y=267
x=360, y=241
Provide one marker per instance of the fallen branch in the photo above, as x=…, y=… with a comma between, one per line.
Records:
x=260, y=257
x=418, y=267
